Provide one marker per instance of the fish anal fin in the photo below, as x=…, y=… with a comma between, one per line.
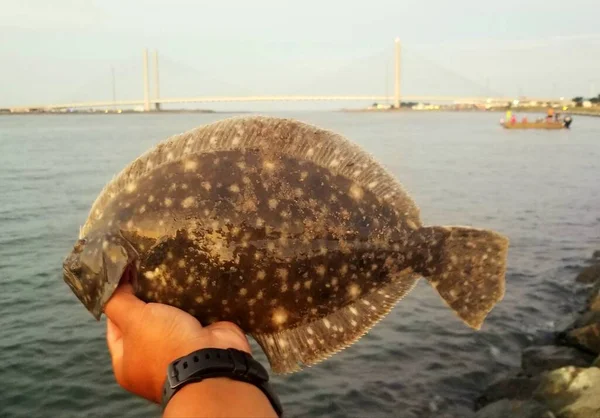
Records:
x=290, y=350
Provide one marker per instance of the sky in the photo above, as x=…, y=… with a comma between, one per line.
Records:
x=65, y=50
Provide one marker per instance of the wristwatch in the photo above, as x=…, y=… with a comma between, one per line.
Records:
x=216, y=362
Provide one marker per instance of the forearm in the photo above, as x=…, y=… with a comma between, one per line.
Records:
x=219, y=397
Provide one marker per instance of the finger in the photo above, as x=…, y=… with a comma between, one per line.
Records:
x=114, y=340
x=123, y=308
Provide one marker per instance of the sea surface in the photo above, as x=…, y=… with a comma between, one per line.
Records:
x=540, y=188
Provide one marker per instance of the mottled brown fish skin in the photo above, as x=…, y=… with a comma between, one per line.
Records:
x=233, y=236
x=288, y=230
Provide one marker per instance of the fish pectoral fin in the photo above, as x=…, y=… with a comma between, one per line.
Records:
x=470, y=272
x=293, y=349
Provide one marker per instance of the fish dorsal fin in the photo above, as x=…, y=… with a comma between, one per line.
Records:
x=291, y=350
x=271, y=135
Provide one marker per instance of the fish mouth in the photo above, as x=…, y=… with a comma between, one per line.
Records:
x=75, y=285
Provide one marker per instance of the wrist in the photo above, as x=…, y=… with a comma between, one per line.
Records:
x=183, y=350
x=219, y=367
x=219, y=396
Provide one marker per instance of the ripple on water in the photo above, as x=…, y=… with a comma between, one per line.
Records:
x=420, y=361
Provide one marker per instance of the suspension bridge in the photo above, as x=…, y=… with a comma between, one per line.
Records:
x=153, y=102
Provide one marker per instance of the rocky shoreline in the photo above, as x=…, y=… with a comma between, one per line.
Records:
x=557, y=379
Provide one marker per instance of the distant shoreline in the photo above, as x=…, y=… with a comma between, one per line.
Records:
x=594, y=112
x=572, y=111
x=123, y=112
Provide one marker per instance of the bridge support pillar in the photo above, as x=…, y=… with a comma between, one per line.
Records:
x=397, y=101
x=146, y=83
x=156, y=83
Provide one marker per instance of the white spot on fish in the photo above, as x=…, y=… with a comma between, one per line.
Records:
x=354, y=290
x=353, y=310
x=269, y=166
x=321, y=270
x=310, y=152
x=168, y=202
x=273, y=203
x=234, y=188
x=190, y=165
x=206, y=185
x=356, y=192
x=260, y=275
x=280, y=316
x=326, y=323
x=411, y=224
x=188, y=202
x=130, y=188
x=243, y=291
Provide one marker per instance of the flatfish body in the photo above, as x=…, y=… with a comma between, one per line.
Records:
x=288, y=230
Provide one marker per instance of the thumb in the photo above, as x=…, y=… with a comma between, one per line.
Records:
x=114, y=340
x=124, y=308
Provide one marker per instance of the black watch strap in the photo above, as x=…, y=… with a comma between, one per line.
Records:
x=216, y=362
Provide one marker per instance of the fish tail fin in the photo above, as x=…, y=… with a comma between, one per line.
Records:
x=468, y=270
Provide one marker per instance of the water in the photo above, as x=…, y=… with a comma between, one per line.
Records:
x=542, y=189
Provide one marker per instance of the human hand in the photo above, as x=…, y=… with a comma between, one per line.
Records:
x=143, y=338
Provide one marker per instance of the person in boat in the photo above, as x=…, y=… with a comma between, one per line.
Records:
x=513, y=119
x=550, y=114
x=524, y=120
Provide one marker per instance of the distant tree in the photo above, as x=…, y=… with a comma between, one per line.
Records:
x=595, y=100
x=578, y=101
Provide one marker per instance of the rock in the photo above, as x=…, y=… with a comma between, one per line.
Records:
x=596, y=255
x=538, y=359
x=571, y=392
x=590, y=274
x=515, y=409
x=516, y=388
x=593, y=303
x=587, y=318
x=587, y=338
x=596, y=362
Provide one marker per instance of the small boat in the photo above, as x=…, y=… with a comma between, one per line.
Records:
x=553, y=124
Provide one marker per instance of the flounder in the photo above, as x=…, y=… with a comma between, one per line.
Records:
x=288, y=230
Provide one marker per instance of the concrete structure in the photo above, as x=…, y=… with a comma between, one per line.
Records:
x=148, y=103
x=397, y=101
x=146, y=83
x=156, y=83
